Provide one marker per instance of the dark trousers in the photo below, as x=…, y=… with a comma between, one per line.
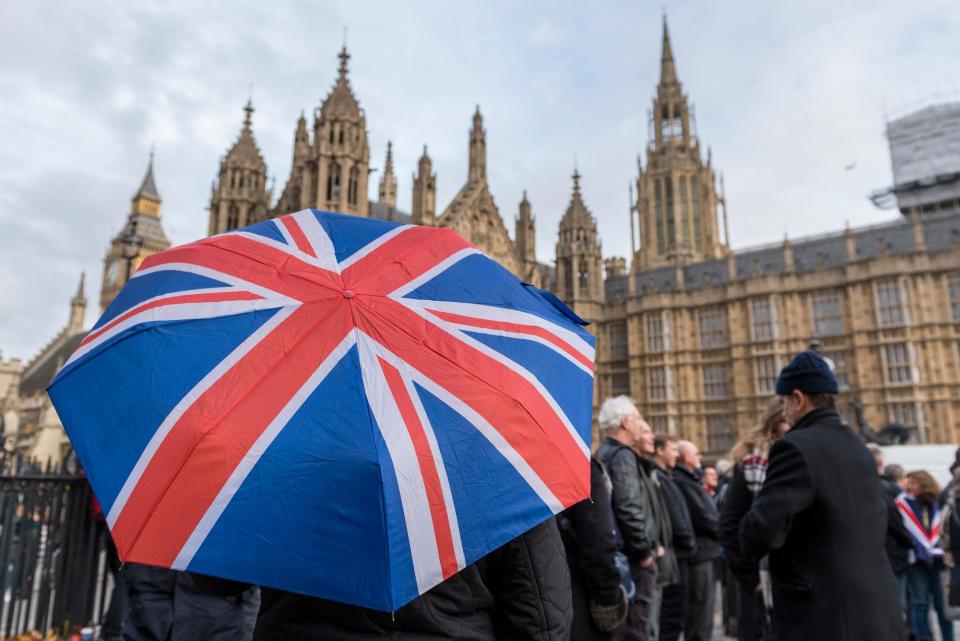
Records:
x=702, y=597
x=926, y=590
x=112, y=624
x=673, y=610
x=752, y=618
x=639, y=623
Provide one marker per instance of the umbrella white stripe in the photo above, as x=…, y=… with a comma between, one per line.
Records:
x=526, y=337
x=373, y=244
x=176, y=312
x=191, y=397
x=433, y=272
x=290, y=249
x=413, y=493
x=222, y=277
x=505, y=315
x=485, y=428
x=318, y=238
x=516, y=367
x=148, y=301
x=253, y=455
x=440, y=465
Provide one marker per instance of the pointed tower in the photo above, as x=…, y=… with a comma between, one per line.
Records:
x=290, y=198
x=424, y=207
x=387, y=193
x=579, y=261
x=676, y=193
x=143, y=222
x=78, y=308
x=240, y=197
x=335, y=176
x=478, y=150
x=525, y=239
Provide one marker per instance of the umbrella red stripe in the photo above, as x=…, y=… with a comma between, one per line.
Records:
x=500, y=395
x=297, y=234
x=401, y=259
x=428, y=469
x=518, y=328
x=203, y=449
x=254, y=262
x=218, y=297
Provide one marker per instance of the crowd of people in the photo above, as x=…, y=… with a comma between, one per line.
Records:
x=814, y=536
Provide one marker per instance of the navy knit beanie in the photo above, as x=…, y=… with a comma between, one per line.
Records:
x=809, y=373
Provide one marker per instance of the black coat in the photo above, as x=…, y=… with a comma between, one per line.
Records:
x=520, y=591
x=684, y=540
x=703, y=515
x=633, y=509
x=737, y=500
x=165, y=604
x=821, y=517
x=898, y=542
x=588, y=536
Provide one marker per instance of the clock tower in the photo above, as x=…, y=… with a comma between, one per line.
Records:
x=143, y=222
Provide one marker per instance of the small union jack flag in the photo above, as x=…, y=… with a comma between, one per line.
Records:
x=330, y=405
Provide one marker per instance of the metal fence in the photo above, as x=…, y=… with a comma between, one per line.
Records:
x=53, y=551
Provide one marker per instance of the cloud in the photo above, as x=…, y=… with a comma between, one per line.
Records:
x=785, y=98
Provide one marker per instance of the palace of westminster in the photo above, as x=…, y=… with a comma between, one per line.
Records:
x=692, y=330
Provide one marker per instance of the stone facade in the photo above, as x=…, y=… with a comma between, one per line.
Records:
x=697, y=334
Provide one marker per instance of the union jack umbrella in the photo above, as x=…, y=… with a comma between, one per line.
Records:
x=330, y=405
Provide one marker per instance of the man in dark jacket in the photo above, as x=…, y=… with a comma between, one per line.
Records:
x=520, y=591
x=706, y=528
x=633, y=509
x=599, y=601
x=821, y=517
x=673, y=609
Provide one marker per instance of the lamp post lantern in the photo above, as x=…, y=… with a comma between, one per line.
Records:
x=130, y=246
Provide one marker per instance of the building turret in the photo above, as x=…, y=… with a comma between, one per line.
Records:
x=478, y=150
x=290, y=198
x=579, y=260
x=240, y=197
x=676, y=193
x=387, y=192
x=78, y=308
x=335, y=178
x=424, y=208
x=525, y=239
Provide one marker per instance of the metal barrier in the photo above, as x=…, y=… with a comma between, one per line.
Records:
x=53, y=551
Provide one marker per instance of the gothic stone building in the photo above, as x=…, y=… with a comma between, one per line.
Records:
x=330, y=169
x=697, y=333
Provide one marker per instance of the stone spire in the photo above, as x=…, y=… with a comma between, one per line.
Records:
x=388, y=182
x=579, y=261
x=577, y=214
x=424, y=209
x=668, y=70
x=240, y=196
x=525, y=239
x=147, y=199
x=341, y=103
x=478, y=150
x=78, y=308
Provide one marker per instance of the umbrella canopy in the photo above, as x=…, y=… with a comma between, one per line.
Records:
x=325, y=404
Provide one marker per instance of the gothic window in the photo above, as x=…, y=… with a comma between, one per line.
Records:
x=584, y=278
x=658, y=333
x=954, y=291
x=233, y=179
x=684, y=221
x=763, y=314
x=712, y=322
x=671, y=221
x=620, y=384
x=341, y=135
x=352, y=186
x=905, y=414
x=720, y=433
x=233, y=217
x=898, y=363
x=665, y=124
x=697, y=228
x=566, y=277
x=660, y=380
x=661, y=231
x=827, y=313
x=333, y=184
x=890, y=301
x=241, y=181
x=716, y=380
x=767, y=372
x=677, y=123
x=617, y=333
x=331, y=134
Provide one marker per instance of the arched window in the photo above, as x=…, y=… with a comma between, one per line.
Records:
x=233, y=217
x=661, y=230
x=331, y=134
x=352, y=186
x=341, y=135
x=671, y=218
x=333, y=182
x=583, y=275
x=241, y=181
x=684, y=220
x=665, y=123
x=697, y=223
x=233, y=179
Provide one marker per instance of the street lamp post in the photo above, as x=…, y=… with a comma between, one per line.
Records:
x=130, y=246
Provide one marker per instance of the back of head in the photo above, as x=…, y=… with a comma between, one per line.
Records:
x=894, y=472
x=763, y=434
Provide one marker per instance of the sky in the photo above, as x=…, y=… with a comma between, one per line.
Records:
x=792, y=98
